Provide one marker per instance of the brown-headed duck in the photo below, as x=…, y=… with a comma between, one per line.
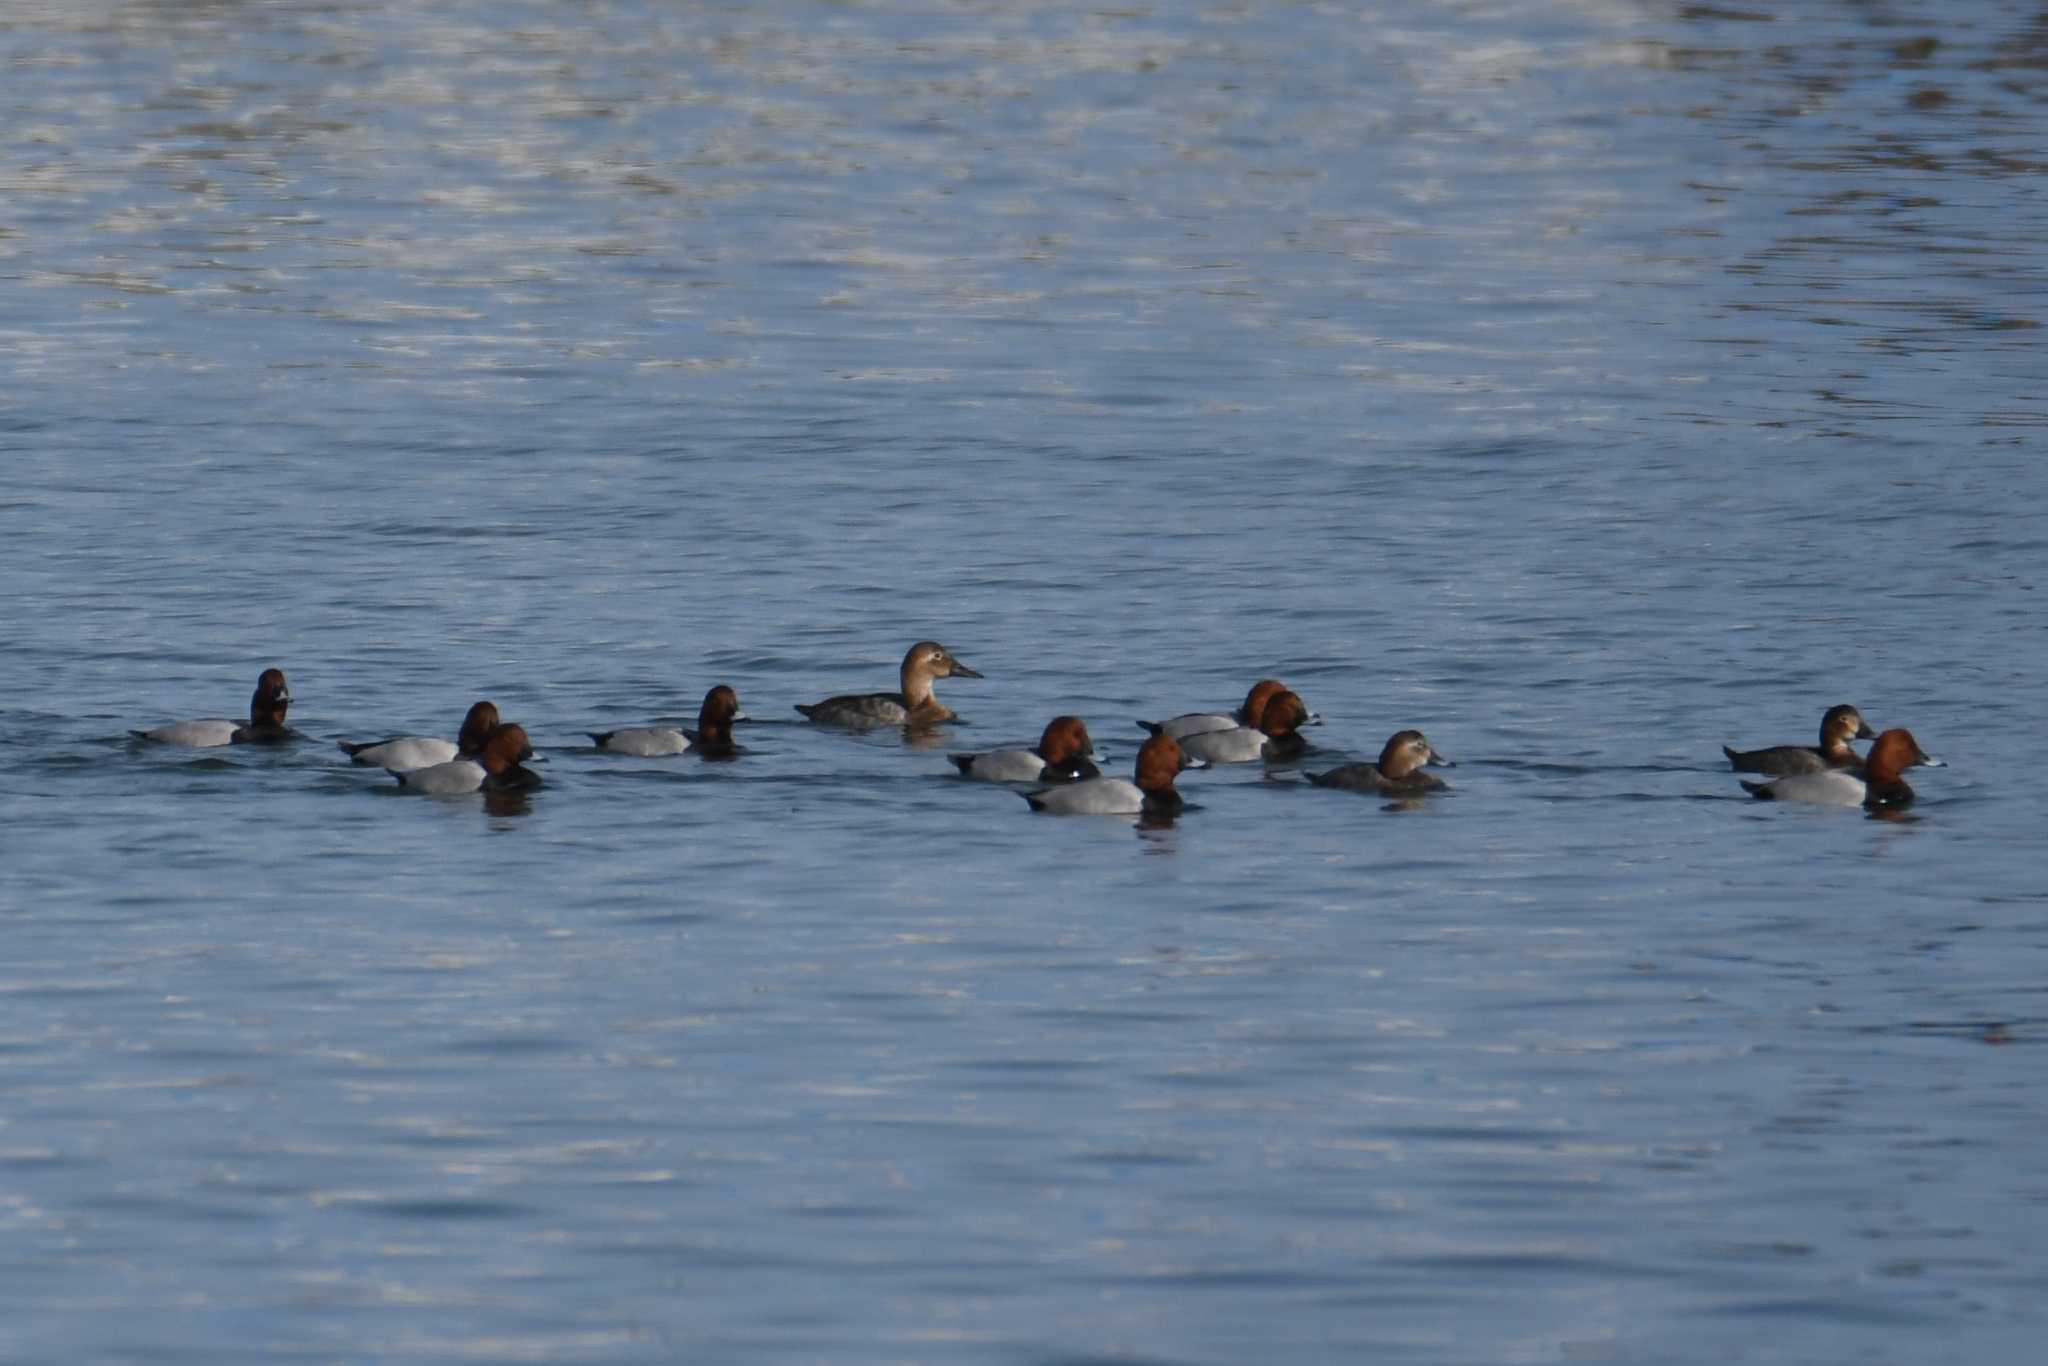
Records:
x=1276, y=737
x=420, y=751
x=1878, y=788
x=712, y=739
x=1160, y=761
x=1064, y=753
x=265, y=726
x=1198, y=722
x=497, y=767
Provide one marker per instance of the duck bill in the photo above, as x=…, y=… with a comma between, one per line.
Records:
x=1929, y=761
x=1436, y=760
x=962, y=671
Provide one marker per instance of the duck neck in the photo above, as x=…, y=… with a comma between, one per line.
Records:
x=917, y=688
x=470, y=742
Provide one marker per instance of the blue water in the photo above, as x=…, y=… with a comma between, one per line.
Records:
x=1583, y=384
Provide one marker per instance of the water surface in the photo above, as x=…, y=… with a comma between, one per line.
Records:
x=1585, y=384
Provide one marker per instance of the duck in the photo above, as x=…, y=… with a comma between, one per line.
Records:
x=712, y=739
x=1160, y=761
x=420, y=751
x=1398, y=772
x=1879, y=787
x=267, y=708
x=913, y=705
x=1200, y=722
x=1276, y=737
x=1197, y=722
x=1064, y=754
x=1838, y=727
x=497, y=766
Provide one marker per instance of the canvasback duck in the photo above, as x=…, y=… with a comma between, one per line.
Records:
x=915, y=705
x=1878, y=788
x=497, y=767
x=265, y=726
x=712, y=739
x=1064, y=754
x=1398, y=772
x=1276, y=737
x=1160, y=760
x=1842, y=724
x=1198, y=722
x=420, y=751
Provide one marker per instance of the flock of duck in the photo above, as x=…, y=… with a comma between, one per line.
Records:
x=490, y=753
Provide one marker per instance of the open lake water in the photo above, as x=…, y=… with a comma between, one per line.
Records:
x=1586, y=384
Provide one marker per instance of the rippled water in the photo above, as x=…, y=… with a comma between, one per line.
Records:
x=1584, y=383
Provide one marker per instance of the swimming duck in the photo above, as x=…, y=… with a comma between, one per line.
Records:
x=1878, y=788
x=1398, y=772
x=267, y=708
x=497, y=767
x=1842, y=724
x=712, y=739
x=420, y=751
x=1160, y=760
x=1276, y=737
x=913, y=705
x=1199, y=722
x=1063, y=754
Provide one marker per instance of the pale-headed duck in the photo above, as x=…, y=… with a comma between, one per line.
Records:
x=1160, y=761
x=914, y=705
x=1842, y=724
x=1398, y=772
x=1878, y=788
x=712, y=739
x=497, y=767
x=1064, y=754
x=420, y=751
x=265, y=726
x=1276, y=737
